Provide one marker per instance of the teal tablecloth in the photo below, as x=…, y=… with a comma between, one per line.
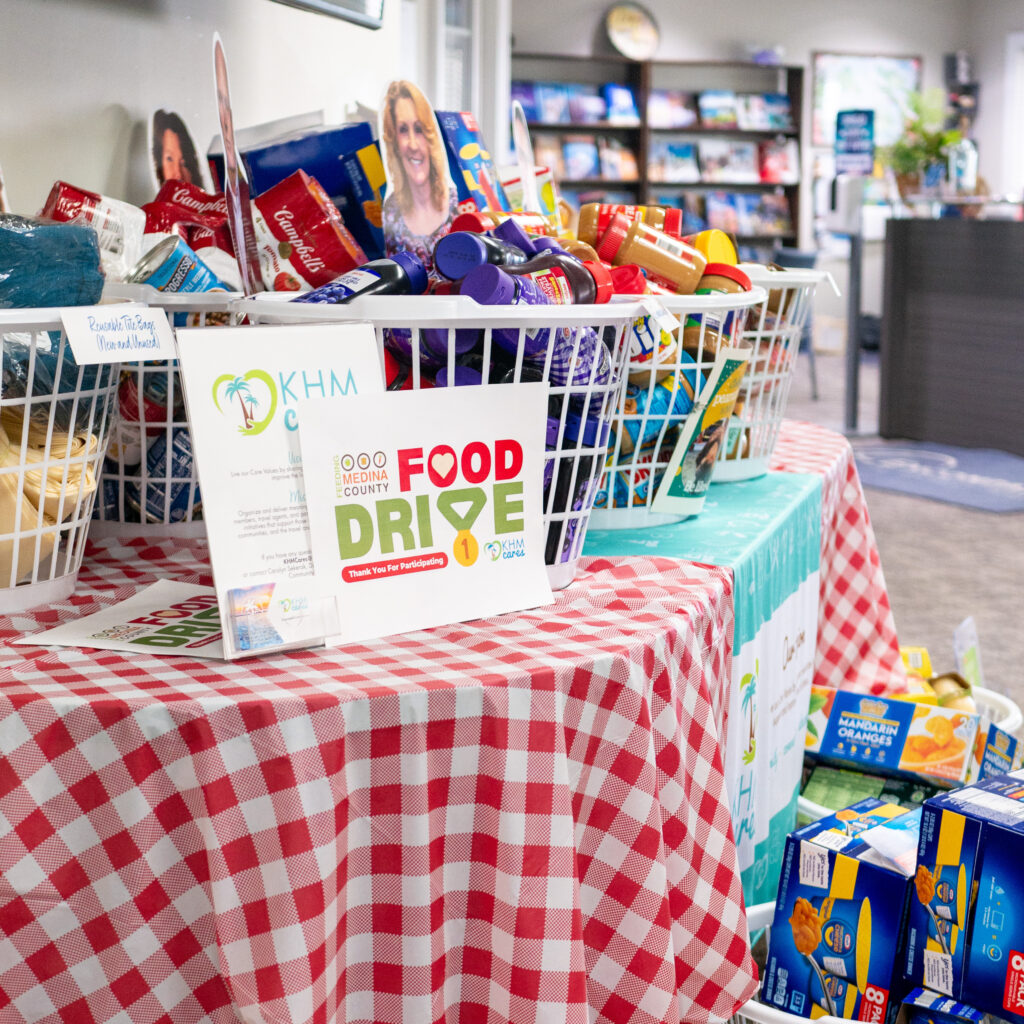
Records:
x=768, y=531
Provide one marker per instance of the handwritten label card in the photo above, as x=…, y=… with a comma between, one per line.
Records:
x=425, y=507
x=117, y=334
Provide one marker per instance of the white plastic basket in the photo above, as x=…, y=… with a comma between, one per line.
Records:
x=659, y=395
x=54, y=424
x=773, y=330
x=149, y=484
x=579, y=351
x=759, y=918
x=993, y=707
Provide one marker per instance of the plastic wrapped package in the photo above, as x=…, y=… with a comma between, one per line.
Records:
x=44, y=265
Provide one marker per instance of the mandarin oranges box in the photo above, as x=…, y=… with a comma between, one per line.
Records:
x=890, y=736
x=965, y=937
x=840, y=916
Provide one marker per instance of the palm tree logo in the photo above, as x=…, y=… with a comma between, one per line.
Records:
x=748, y=688
x=252, y=390
x=239, y=387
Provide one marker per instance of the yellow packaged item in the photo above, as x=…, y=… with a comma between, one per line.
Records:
x=917, y=661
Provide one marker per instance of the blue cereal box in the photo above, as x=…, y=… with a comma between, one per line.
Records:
x=925, y=1007
x=840, y=916
x=476, y=178
x=890, y=736
x=965, y=938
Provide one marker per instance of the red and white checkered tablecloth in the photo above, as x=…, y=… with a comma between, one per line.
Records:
x=857, y=645
x=517, y=819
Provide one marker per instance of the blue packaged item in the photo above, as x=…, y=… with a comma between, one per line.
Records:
x=647, y=409
x=43, y=265
x=925, y=1007
x=966, y=932
x=839, y=930
x=316, y=150
x=360, y=200
x=167, y=468
x=476, y=178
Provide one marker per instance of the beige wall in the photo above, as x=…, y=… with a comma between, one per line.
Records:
x=81, y=78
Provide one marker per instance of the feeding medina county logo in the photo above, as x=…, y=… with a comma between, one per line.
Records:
x=251, y=399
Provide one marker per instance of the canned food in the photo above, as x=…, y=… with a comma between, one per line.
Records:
x=153, y=406
x=171, y=266
x=171, y=495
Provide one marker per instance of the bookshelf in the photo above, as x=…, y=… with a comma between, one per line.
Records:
x=654, y=145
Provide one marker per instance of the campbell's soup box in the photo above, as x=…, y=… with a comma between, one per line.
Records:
x=476, y=179
x=840, y=916
x=890, y=736
x=965, y=937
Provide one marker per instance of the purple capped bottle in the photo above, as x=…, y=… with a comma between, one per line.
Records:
x=492, y=286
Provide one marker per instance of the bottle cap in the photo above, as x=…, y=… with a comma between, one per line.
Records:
x=472, y=221
x=512, y=234
x=628, y=280
x=673, y=221
x=729, y=271
x=464, y=375
x=456, y=254
x=602, y=280
x=613, y=237
x=489, y=285
x=414, y=270
x=542, y=244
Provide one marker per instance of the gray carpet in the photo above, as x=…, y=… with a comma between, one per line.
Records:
x=941, y=563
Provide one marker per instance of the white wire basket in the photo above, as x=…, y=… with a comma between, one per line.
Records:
x=773, y=330
x=54, y=424
x=759, y=919
x=149, y=484
x=993, y=707
x=665, y=375
x=578, y=350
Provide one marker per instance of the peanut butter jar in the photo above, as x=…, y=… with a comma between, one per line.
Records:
x=666, y=260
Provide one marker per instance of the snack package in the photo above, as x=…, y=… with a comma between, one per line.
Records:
x=476, y=178
x=839, y=930
x=965, y=937
x=301, y=239
x=890, y=736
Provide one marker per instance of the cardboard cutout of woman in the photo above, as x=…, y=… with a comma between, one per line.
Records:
x=174, y=152
x=421, y=201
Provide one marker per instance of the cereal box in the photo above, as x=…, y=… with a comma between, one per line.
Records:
x=837, y=938
x=890, y=736
x=965, y=937
x=473, y=171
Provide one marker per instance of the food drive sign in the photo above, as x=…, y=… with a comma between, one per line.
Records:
x=480, y=487
x=425, y=507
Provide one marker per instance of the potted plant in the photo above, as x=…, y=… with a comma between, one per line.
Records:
x=918, y=157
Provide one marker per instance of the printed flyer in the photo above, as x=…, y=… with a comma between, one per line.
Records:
x=688, y=476
x=426, y=508
x=167, y=617
x=243, y=387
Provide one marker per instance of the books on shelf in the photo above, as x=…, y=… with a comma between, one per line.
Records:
x=717, y=108
x=764, y=112
x=580, y=157
x=729, y=161
x=671, y=108
x=780, y=111
x=673, y=161
x=618, y=161
x=780, y=161
x=547, y=152
x=526, y=94
x=586, y=105
x=552, y=102
x=749, y=213
x=621, y=104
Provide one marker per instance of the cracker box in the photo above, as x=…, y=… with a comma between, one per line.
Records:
x=925, y=1007
x=965, y=937
x=476, y=178
x=840, y=916
x=889, y=736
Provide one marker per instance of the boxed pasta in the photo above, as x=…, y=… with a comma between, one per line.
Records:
x=840, y=916
x=965, y=937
